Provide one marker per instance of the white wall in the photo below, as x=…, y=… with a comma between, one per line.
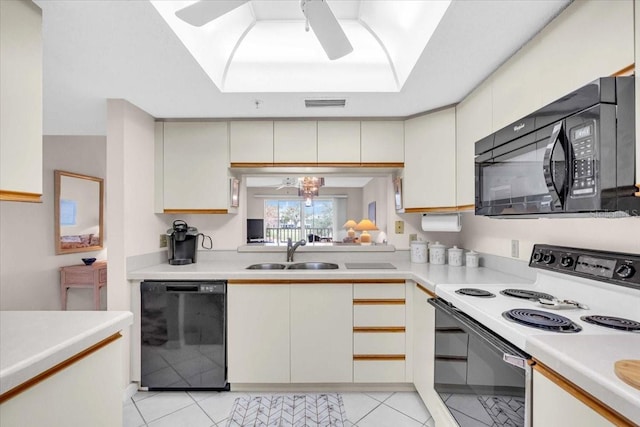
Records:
x=29, y=276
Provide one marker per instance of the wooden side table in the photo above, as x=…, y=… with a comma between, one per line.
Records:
x=83, y=276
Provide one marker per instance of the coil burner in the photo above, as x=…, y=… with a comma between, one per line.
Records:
x=526, y=294
x=474, y=292
x=613, y=322
x=541, y=320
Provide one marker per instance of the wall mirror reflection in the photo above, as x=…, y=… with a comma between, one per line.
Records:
x=79, y=210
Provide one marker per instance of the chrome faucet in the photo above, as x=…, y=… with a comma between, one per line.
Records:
x=291, y=248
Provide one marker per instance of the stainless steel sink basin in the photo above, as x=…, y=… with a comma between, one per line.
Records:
x=313, y=266
x=267, y=266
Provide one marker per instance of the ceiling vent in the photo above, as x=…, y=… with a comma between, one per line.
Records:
x=316, y=103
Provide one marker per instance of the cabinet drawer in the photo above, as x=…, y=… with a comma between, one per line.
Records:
x=378, y=315
x=378, y=291
x=378, y=343
x=378, y=371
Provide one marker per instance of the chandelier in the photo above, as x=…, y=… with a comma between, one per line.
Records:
x=309, y=187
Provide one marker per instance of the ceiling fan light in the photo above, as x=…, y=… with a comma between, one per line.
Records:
x=205, y=11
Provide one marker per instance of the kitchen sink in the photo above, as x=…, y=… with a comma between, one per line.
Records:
x=313, y=266
x=267, y=266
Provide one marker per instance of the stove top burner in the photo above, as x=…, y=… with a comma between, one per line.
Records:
x=541, y=320
x=526, y=294
x=474, y=292
x=613, y=322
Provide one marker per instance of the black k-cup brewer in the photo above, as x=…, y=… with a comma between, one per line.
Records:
x=182, y=242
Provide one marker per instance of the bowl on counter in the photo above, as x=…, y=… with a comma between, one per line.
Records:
x=88, y=261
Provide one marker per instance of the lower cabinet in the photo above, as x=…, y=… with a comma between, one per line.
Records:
x=258, y=345
x=321, y=333
x=423, y=343
x=558, y=403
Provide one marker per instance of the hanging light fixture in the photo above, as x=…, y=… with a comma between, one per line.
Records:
x=309, y=187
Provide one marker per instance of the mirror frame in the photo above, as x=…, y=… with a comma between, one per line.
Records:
x=57, y=192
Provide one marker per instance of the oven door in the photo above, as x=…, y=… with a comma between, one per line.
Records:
x=481, y=378
x=525, y=176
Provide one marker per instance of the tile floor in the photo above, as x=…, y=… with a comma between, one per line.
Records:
x=211, y=409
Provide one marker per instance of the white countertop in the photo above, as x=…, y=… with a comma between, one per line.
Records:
x=428, y=275
x=33, y=341
x=588, y=362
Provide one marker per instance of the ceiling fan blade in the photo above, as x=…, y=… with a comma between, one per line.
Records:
x=327, y=29
x=206, y=11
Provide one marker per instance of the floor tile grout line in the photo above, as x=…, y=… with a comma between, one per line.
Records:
x=407, y=415
x=139, y=412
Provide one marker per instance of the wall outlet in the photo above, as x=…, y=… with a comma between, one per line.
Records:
x=412, y=237
x=399, y=227
x=163, y=240
x=515, y=248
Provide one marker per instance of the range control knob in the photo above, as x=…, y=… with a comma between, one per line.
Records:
x=566, y=261
x=537, y=256
x=625, y=271
x=548, y=259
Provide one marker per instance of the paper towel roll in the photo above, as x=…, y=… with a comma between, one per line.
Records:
x=441, y=222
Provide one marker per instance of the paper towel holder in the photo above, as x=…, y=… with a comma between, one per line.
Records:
x=441, y=222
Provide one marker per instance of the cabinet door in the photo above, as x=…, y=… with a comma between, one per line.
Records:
x=251, y=142
x=195, y=163
x=430, y=161
x=382, y=142
x=258, y=333
x=21, y=101
x=423, y=344
x=555, y=407
x=295, y=142
x=321, y=333
x=339, y=142
x=473, y=122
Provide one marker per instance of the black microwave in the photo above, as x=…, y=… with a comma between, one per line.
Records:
x=573, y=157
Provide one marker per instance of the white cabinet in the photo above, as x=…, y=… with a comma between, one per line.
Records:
x=473, y=122
x=423, y=344
x=295, y=142
x=382, y=141
x=321, y=333
x=251, y=142
x=553, y=406
x=258, y=343
x=195, y=167
x=21, y=101
x=338, y=141
x=430, y=162
x=637, y=61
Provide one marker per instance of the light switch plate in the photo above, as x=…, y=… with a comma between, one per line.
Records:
x=399, y=227
x=163, y=240
x=515, y=248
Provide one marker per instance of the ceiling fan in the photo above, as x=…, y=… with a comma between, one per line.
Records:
x=317, y=13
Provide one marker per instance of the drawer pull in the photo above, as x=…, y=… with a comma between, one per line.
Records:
x=399, y=301
x=378, y=357
x=378, y=329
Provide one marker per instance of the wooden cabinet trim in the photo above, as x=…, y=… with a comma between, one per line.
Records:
x=629, y=70
x=425, y=290
x=394, y=301
x=582, y=396
x=378, y=357
x=440, y=209
x=196, y=211
x=19, y=196
x=309, y=281
x=57, y=368
x=390, y=165
x=378, y=329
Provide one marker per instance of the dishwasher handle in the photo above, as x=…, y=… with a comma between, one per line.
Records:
x=182, y=289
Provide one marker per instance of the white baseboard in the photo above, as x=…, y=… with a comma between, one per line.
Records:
x=129, y=391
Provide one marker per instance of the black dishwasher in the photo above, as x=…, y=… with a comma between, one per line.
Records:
x=183, y=335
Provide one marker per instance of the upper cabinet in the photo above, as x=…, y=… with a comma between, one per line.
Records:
x=195, y=167
x=430, y=162
x=295, y=142
x=251, y=142
x=21, y=101
x=382, y=141
x=338, y=141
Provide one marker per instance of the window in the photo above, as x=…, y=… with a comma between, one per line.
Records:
x=291, y=219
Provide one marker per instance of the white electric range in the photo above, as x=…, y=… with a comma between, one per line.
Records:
x=576, y=286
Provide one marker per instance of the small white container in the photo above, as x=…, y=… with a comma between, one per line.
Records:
x=437, y=253
x=455, y=256
x=419, y=251
x=472, y=259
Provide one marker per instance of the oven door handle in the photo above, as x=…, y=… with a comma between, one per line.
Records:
x=510, y=354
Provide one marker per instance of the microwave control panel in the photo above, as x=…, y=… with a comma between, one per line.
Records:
x=583, y=143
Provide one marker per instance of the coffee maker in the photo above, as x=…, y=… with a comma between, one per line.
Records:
x=182, y=242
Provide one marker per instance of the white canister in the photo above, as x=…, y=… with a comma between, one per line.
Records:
x=436, y=253
x=472, y=259
x=419, y=251
x=455, y=256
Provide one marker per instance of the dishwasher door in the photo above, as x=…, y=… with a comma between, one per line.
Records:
x=183, y=335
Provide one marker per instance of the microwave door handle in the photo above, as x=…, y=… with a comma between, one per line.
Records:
x=548, y=166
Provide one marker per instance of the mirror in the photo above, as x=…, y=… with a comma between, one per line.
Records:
x=79, y=201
